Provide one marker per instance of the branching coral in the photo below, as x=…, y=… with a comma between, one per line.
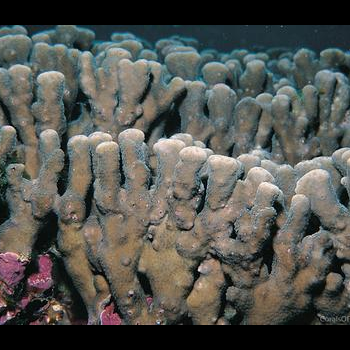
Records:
x=167, y=185
x=116, y=90
x=229, y=126
x=7, y=143
x=68, y=35
x=45, y=58
x=15, y=48
x=30, y=119
x=300, y=265
x=30, y=201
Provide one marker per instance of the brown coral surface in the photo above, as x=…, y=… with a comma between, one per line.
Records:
x=159, y=184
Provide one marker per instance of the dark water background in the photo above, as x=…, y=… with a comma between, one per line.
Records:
x=228, y=37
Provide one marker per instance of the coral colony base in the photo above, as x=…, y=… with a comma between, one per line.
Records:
x=163, y=185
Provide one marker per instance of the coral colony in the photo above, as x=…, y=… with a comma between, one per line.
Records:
x=163, y=185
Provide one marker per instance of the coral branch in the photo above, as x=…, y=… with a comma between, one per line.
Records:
x=168, y=184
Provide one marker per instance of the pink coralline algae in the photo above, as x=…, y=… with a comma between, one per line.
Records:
x=41, y=281
x=109, y=317
x=12, y=271
x=37, y=284
x=8, y=316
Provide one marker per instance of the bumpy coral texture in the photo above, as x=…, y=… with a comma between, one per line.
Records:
x=159, y=184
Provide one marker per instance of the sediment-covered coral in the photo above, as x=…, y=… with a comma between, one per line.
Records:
x=160, y=184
